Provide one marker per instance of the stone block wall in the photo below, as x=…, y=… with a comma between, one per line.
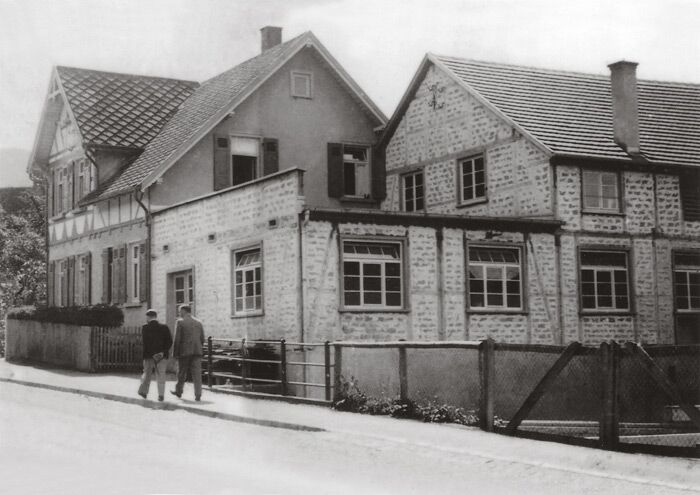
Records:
x=264, y=213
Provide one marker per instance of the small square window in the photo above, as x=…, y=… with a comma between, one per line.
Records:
x=301, y=84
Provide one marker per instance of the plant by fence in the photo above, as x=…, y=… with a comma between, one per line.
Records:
x=102, y=315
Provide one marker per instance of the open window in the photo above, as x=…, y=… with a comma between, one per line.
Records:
x=244, y=159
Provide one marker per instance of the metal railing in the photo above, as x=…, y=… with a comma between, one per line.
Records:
x=236, y=360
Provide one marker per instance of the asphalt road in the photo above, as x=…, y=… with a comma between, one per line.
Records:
x=53, y=442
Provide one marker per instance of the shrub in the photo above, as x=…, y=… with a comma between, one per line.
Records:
x=100, y=315
x=352, y=399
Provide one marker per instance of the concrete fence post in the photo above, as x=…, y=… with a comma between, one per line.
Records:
x=487, y=376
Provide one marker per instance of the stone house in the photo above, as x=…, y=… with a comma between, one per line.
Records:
x=615, y=160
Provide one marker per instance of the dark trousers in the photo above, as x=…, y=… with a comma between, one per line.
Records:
x=193, y=364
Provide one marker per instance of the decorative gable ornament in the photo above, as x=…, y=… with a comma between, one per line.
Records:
x=436, y=90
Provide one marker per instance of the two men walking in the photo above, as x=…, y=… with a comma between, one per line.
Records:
x=187, y=348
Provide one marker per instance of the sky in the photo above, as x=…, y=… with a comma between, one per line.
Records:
x=379, y=42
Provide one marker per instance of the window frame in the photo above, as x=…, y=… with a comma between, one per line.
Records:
x=259, y=157
x=368, y=150
x=619, y=177
x=524, y=302
x=310, y=78
x=676, y=309
x=402, y=243
x=241, y=250
x=134, y=274
x=629, y=280
x=402, y=178
x=459, y=168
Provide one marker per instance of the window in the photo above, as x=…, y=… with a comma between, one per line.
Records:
x=135, y=272
x=601, y=191
x=247, y=287
x=356, y=179
x=413, y=199
x=61, y=296
x=85, y=181
x=604, y=281
x=301, y=84
x=472, y=179
x=244, y=159
x=495, y=280
x=686, y=279
x=372, y=275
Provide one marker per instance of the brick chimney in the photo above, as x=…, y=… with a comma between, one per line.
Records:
x=623, y=84
x=270, y=36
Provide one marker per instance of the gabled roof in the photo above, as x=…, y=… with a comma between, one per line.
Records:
x=570, y=113
x=114, y=109
x=212, y=102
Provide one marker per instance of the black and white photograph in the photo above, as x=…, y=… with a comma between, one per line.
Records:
x=349, y=247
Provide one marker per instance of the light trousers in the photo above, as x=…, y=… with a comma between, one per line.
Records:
x=193, y=364
x=150, y=368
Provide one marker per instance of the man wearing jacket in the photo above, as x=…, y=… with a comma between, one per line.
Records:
x=156, y=345
x=189, y=338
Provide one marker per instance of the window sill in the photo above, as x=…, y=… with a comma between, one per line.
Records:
x=606, y=313
x=132, y=305
x=473, y=202
x=247, y=315
x=603, y=213
x=687, y=311
x=496, y=311
x=352, y=199
x=374, y=310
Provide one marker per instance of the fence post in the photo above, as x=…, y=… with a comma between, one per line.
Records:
x=403, y=374
x=327, y=367
x=487, y=375
x=337, y=370
x=609, y=430
x=243, y=365
x=210, y=361
x=283, y=367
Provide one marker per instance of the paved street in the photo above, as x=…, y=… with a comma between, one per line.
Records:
x=55, y=442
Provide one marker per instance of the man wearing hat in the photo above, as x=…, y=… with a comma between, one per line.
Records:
x=156, y=345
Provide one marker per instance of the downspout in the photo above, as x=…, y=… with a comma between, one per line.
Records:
x=439, y=237
x=654, y=234
x=301, y=224
x=138, y=196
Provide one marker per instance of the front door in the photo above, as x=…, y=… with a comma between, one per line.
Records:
x=181, y=291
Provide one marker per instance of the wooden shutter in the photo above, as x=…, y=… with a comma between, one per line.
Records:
x=49, y=195
x=122, y=273
x=106, y=276
x=270, y=156
x=71, y=281
x=690, y=196
x=378, y=173
x=335, y=170
x=87, y=281
x=64, y=282
x=143, y=273
x=70, y=186
x=222, y=162
x=51, y=283
x=76, y=180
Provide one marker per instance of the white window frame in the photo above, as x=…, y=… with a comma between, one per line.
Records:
x=597, y=270
x=595, y=178
x=363, y=259
x=483, y=266
x=413, y=188
x=470, y=161
x=686, y=270
x=256, y=268
x=258, y=156
x=308, y=76
x=366, y=182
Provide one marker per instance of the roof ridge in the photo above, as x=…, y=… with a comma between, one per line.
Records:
x=126, y=74
x=557, y=71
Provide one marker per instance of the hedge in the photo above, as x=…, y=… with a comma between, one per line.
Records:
x=100, y=315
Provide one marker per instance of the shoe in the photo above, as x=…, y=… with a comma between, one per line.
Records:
x=142, y=395
x=176, y=394
x=198, y=399
x=161, y=398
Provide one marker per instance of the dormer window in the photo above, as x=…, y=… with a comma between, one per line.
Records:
x=301, y=84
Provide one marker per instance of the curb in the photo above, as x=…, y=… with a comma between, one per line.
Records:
x=169, y=406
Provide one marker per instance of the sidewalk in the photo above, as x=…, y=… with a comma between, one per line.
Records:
x=450, y=439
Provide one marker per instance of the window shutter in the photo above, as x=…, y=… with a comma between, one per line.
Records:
x=64, y=283
x=222, y=160
x=76, y=180
x=51, y=284
x=119, y=287
x=378, y=173
x=270, y=156
x=106, y=277
x=143, y=274
x=71, y=281
x=49, y=196
x=335, y=170
x=87, y=284
x=690, y=196
x=70, y=189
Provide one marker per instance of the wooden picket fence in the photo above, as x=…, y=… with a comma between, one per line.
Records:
x=116, y=348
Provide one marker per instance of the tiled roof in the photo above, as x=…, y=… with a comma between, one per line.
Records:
x=121, y=109
x=204, y=104
x=571, y=113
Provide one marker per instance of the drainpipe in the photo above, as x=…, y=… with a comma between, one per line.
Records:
x=138, y=196
x=439, y=237
x=301, y=224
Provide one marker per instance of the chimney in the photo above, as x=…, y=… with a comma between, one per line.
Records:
x=623, y=84
x=270, y=36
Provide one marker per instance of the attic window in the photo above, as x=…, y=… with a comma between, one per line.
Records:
x=301, y=84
